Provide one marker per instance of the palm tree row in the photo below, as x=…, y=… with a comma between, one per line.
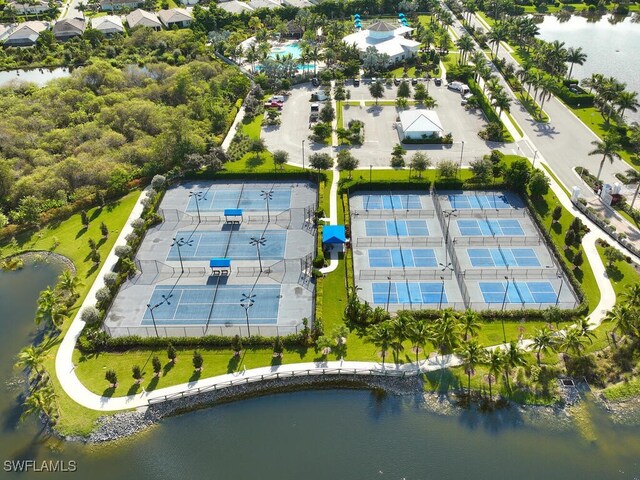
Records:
x=53, y=303
x=611, y=97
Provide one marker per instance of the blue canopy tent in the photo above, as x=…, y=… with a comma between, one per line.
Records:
x=231, y=215
x=220, y=266
x=333, y=235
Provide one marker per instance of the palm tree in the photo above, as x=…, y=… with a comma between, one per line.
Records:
x=31, y=357
x=252, y=55
x=381, y=336
x=546, y=86
x=419, y=335
x=446, y=331
x=543, y=340
x=400, y=328
x=632, y=295
x=575, y=55
x=501, y=102
x=40, y=401
x=471, y=354
x=625, y=319
x=572, y=341
x=513, y=358
x=495, y=362
x=607, y=148
x=465, y=45
x=633, y=176
x=496, y=35
x=585, y=329
x=68, y=283
x=49, y=312
x=469, y=324
x=627, y=101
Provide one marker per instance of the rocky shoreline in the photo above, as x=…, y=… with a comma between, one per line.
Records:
x=46, y=256
x=121, y=425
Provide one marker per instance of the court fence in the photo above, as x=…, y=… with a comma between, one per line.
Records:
x=201, y=330
x=368, y=242
x=495, y=241
x=517, y=273
x=391, y=213
x=174, y=216
x=492, y=213
x=481, y=306
x=320, y=370
x=401, y=274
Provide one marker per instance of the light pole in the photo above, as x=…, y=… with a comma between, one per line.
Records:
x=441, y=294
x=267, y=195
x=388, y=293
x=302, y=154
x=461, y=153
x=449, y=214
x=257, y=242
x=247, y=302
x=370, y=173
x=535, y=155
x=198, y=195
x=504, y=333
x=153, y=319
x=180, y=243
x=560, y=289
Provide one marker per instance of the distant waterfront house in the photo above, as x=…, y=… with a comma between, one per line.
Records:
x=297, y=3
x=189, y=2
x=69, y=28
x=234, y=6
x=175, y=16
x=419, y=124
x=29, y=7
x=26, y=34
x=385, y=38
x=108, y=24
x=142, y=18
x=113, y=5
x=255, y=4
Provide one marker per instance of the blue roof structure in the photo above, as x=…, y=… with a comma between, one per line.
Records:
x=333, y=234
x=220, y=263
x=233, y=212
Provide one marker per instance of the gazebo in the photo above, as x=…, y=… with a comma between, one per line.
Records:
x=333, y=235
x=233, y=215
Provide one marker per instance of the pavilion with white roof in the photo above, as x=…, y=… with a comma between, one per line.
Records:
x=385, y=38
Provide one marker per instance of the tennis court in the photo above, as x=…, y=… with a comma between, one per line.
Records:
x=503, y=257
x=398, y=258
x=392, y=202
x=248, y=199
x=487, y=228
x=399, y=228
x=194, y=305
x=465, y=201
x=237, y=245
x=518, y=292
x=409, y=292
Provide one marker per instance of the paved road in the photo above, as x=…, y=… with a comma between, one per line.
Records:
x=564, y=142
x=70, y=9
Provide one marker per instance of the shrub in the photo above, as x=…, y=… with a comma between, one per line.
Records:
x=122, y=251
x=448, y=169
x=157, y=365
x=538, y=184
x=95, y=257
x=103, y=295
x=111, y=377
x=557, y=213
x=517, y=175
x=318, y=262
x=278, y=347
x=84, y=218
x=493, y=132
x=90, y=315
x=172, y=353
x=136, y=373
x=138, y=224
x=158, y=182
x=132, y=238
x=570, y=238
x=236, y=345
x=104, y=230
x=110, y=279
x=197, y=360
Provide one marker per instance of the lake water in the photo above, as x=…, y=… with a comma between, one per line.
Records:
x=612, y=49
x=311, y=435
x=37, y=76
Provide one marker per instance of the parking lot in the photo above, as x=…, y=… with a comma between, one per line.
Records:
x=220, y=261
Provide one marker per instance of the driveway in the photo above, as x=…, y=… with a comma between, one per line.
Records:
x=294, y=128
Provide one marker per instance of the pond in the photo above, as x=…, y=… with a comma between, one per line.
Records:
x=345, y=434
x=38, y=76
x=611, y=48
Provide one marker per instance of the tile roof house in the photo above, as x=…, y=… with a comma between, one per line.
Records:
x=69, y=28
x=26, y=34
x=108, y=24
x=175, y=16
x=385, y=38
x=142, y=18
x=23, y=6
x=113, y=5
x=234, y=6
x=255, y=4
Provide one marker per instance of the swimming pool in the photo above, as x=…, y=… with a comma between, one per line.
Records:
x=292, y=48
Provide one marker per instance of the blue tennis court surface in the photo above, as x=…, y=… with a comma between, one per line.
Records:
x=192, y=305
x=391, y=202
x=248, y=199
x=409, y=292
x=206, y=245
x=518, y=292
x=392, y=228
x=503, y=257
x=488, y=228
x=463, y=201
x=386, y=257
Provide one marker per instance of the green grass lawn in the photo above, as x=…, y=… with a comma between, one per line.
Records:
x=622, y=274
x=553, y=175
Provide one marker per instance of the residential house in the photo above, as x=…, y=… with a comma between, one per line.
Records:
x=69, y=28
x=26, y=34
x=34, y=7
x=142, y=18
x=234, y=6
x=189, y=2
x=175, y=16
x=297, y=3
x=113, y=5
x=385, y=38
x=255, y=4
x=108, y=25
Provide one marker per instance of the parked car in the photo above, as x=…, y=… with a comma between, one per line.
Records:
x=277, y=98
x=356, y=82
x=315, y=112
x=438, y=81
x=459, y=87
x=273, y=104
x=414, y=81
x=315, y=82
x=319, y=97
x=396, y=81
x=465, y=98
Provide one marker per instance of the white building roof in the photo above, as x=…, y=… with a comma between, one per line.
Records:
x=420, y=121
x=27, y=30
x=255, y=4
x=143, y=18
x=107, y=23
x=234, y=6
x=392, y=42
x=298, y=3
x=174, y=15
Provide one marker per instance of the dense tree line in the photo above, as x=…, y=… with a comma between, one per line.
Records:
x=103, y=126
